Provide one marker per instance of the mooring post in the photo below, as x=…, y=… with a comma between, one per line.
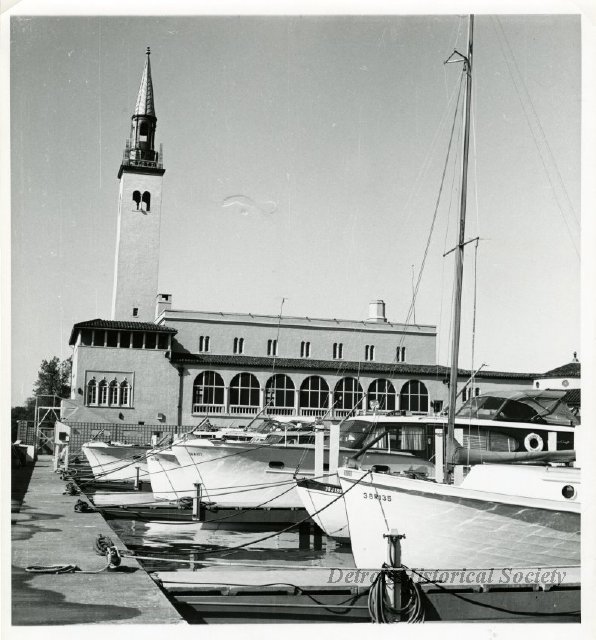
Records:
x=137, y=477
x=66, y=456
x=394, y=552
x=197, y=511
x=304, y=535
x=317, y=537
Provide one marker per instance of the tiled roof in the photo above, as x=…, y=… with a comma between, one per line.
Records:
x=569, y=370
x=339, y=366
x=123, y=325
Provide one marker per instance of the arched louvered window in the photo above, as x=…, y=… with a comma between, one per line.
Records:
x=102, y=389
x=382, y=392
x=244, y=393
x=208, y=393
x=314, y=396
x=414, y=397
x=124, y=393
x=92, y=391
x=280, y=395
x=113, y=393
x=347, y=396
x=146, y=201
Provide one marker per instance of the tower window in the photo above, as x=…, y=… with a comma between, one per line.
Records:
x=143, y=131
x=136, y=198
x=146, y=201
x=305, y=349
x=271, y=347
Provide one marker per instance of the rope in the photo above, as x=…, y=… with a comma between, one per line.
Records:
x=379, y=606
x=103, y=546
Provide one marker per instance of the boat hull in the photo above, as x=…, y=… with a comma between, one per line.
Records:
x=325, y=505
x=117, y=462
x=456, y=527
x=253, y=475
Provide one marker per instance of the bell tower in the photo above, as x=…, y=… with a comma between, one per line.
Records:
x=139, y=212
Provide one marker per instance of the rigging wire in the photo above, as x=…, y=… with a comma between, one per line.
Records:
x=547, y=155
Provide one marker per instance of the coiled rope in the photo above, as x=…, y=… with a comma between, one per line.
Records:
x=379, y=605
x=103, y=546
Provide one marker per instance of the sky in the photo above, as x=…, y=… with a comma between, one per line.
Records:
x=332, y=132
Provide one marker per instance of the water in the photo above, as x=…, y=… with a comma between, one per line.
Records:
x=189, y=541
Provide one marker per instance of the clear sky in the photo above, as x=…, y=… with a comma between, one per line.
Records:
x=337, y=128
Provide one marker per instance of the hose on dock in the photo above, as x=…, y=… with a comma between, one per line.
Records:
x=103, y=546
x=379, y=604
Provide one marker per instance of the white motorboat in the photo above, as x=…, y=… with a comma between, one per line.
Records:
x=500, y=516
x=117, y=461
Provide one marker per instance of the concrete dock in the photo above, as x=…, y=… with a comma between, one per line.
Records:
x=46, y=530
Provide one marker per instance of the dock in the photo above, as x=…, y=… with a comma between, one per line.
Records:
x=46, y=530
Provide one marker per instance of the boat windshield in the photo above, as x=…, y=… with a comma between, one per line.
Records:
x=535, y=409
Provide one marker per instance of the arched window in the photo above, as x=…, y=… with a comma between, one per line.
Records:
x=136, y=198
x=280, y=394
x=113, y=393
x=208, y=393
x=92, y=391
x=383, y=392
x=103, y=392
x=314, y=396
x=414, y=397
x=124, y=393
x=244, y=393
x=347, y=395
x=147, y=201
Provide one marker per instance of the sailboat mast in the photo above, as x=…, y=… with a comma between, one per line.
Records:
x=459, y=258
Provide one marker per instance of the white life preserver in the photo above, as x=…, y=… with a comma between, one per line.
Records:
x=533, y=442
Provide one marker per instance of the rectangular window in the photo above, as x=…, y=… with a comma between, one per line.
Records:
x=124, y=339
x=271, y=347
x=86, y=337
x=305, y=349
x=338, y=350
x=135, y=312
x=162, y=341
x=137, y=340
x=150, y=341
x=112, y=340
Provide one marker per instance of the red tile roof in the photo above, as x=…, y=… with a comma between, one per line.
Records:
x=123, y=325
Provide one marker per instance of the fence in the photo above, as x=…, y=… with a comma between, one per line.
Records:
x=81, y=432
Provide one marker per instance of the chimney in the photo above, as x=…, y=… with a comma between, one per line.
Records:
x=376, y=311
x=163, y=302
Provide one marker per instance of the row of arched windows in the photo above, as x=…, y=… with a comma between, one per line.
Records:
x=108, y=394
x=209, y=393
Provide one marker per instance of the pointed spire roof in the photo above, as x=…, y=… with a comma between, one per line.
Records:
x=145, y=105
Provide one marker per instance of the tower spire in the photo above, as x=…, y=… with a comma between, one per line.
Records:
x=145, y=105
x=139, y=152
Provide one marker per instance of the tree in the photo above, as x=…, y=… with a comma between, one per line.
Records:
x=53, y=379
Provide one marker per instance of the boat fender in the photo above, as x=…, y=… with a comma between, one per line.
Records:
x=533, y=442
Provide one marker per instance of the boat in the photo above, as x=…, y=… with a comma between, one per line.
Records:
x=260, y=473
x=499, y=516
x=511, y=426
x=128, y=462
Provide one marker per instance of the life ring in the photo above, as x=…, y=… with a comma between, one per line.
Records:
x=533, y=442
